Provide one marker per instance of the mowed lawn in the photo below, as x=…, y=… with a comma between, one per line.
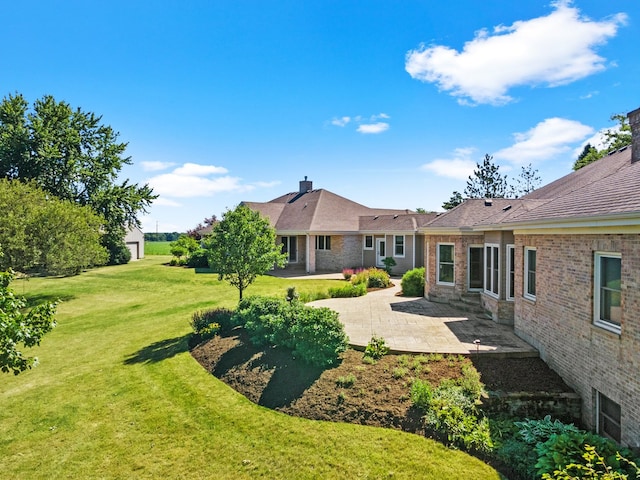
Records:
x=157, y=248
x=117, y=395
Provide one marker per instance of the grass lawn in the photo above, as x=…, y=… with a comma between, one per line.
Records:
x=117, y=395
x=157, y=248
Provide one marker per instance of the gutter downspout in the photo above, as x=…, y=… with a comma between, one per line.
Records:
x=307, y=253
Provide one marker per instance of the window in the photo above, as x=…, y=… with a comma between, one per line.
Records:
x=323, y=242
x=608, y=417
x=530, y=273
x=368, y=242
x=511, y=280
x=476, y=262
x=290, y=247
x=607, y=291
x=398, y=246
x=445, y=263
x=492, y=269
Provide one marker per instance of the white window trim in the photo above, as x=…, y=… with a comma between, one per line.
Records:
x=404, y=246
x=364, y=242
x=525, y=291
x=597, y=321
x=486, y=258
x=438, y=264
x=511, y=295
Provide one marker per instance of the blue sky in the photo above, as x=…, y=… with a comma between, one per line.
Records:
x=388, y=103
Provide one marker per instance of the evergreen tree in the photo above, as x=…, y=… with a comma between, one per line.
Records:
x=486, y=181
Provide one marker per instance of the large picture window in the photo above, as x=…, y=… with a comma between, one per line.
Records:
x=608, y=291
x=530, y=257
x=492, y=269
x=446, y=263
x=398, y=246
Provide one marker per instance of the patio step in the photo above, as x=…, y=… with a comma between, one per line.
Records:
x=467, y=306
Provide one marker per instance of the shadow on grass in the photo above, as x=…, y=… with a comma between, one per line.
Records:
x=33, y=300
x=158, y=351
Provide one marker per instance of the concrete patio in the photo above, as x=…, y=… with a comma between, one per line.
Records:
x=415, y=325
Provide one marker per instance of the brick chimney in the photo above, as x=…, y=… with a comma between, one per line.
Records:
x=306, y=185
x=634, y=122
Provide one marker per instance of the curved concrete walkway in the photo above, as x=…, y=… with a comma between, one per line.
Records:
x=416, y=325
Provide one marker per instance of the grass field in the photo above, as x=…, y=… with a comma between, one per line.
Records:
x=117, y=395
x=157, y=248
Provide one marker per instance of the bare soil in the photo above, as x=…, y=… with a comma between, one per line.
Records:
x=354, y=391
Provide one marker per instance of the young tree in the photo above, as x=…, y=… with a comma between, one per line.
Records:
x=184, y=246
x=526, y=182
x=41, y=232
x=20, y=328
x=455, y=200
x=71, y=155
x=486, y=181
x=243, y=246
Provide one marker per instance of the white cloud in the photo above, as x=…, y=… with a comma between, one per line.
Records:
x=547, y=139
x=195, y=169
x=372, y=124
x=460, y=166
x=156, y=166
x=373, y=127
x=186, y=186
x=340, y=122
x=165, y=202
x=267, y=184
x=551, y=50
x=193, y=180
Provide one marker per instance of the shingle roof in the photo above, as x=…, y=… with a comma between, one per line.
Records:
x=407, y=222
x=315, y=211
x=607, y=187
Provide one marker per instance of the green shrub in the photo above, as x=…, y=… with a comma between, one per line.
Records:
x=520, y=457
x=207, y=323
x=451, y=413
x=470, y=382
x=360, y=276
x=413, y=282
x=348, y=290
x=266, y=319
x=399, y=372
x=198, y=259
x=421, y=394
x=378, y=278
x=595, y=466
x=346, y=381
x=533, y=432
x=292, y=294
x=389, y=263
x=376, y=348
x=565, y=449
x=318, y=336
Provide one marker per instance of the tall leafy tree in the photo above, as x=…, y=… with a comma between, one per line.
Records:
x=41, y=232
x=614, y=139
x=486, y=181
x=72, y=155
x=20, y=327
x=243, y=246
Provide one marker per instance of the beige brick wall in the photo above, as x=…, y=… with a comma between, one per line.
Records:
x=438, y=292
x=346, y=252
x=560, y=321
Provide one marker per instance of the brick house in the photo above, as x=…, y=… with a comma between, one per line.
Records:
x=562, y=265
x=322, y=231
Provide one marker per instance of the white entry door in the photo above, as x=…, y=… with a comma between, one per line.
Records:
x=381, y=251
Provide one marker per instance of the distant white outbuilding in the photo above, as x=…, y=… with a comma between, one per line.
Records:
x=135, y=242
